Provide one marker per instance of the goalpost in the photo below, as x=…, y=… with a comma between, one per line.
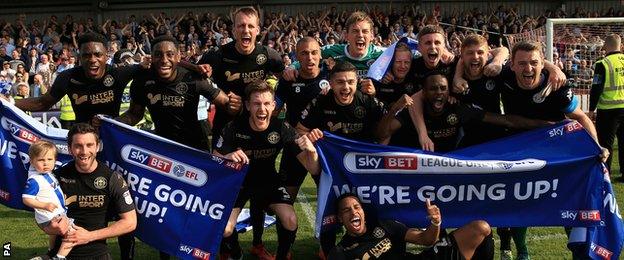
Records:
x=577, y=42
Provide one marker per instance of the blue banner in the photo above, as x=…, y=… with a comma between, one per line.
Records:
x=183, y=196
x=546, y=177
x=379, y=68
x=18, y=131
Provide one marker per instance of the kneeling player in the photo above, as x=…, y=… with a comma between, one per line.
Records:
x=386, y=239
x=257, y=140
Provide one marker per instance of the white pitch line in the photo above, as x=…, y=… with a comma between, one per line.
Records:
x=307, y=209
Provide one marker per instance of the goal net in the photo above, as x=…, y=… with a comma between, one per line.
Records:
x=574, y=44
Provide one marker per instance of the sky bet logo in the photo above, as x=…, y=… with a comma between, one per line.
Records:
x=160, y=164
x=19, y=132
x=582, y=215
x=365, y=162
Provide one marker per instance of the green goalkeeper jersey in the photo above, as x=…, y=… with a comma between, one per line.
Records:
x=339, y=53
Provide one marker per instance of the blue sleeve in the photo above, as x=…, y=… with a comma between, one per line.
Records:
x=572, y=106
x=32, y=187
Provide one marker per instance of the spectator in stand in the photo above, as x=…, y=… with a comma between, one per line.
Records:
x=7, y=72
x=38, y=87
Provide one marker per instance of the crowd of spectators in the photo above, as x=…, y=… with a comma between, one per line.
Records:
x=32, y=52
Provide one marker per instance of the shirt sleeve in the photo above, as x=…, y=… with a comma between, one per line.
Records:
x=31, y=189
x=597, y=86
x=289, y=134
x=396, y=229
x=119, y=194
x=137, y=92
x=59, y=87
x=311, y=115
x=565, y=99
x=127, y=73
x=225, y=143
x=210, y=57
x=276, y=65
x=207, y=89
x=469, y=113
x=281, y=93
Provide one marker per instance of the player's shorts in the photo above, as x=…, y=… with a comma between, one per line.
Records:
x=444, y=249
x=263, y=196
x=291, y=170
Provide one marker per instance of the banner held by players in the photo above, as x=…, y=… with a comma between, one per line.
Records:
x=546, y=177
x=183, y=196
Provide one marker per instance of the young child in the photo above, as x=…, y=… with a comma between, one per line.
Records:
x=43, y=193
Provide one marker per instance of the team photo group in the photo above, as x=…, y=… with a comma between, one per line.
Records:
x=425, y=134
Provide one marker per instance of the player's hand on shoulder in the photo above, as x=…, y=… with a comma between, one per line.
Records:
x=238, y=156
x=460, y=85
x=290, y=74
x=205, y=70
x=146, y=61
x=557, y=80
x=492, y=69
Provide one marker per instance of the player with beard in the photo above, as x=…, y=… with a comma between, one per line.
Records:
x=238, y=63
x=232, y=67
x=296, y=95
x=93, y=87
x=88, y=179
x=257, y=139
x=400, y=85
x=431, y=45
x=358, y=51
x=364, y=237
x=527, y=94
x=444, y=120
x=171, y=94
x=344, y=111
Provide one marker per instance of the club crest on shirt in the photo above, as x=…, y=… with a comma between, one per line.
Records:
x=360, y=112
x=99, y=183
x=489, y=85
x=452, y=119
x=273, y=137
x=261, y=59
x=323, y=84
x=538, y=98
x=108, y=80
x=181, y=88
x=378, y=232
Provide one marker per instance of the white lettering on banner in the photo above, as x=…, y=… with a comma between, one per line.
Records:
x=409, y=163
x=384, y=194
x=163, y=165
x=179, y=198
x=10, y=149
x=48, y=119
x=164, y=193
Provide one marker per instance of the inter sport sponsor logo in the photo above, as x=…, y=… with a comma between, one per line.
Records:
x=163, y=165
x=397, y=162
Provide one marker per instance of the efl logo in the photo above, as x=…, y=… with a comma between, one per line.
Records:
x=601, y=251
x=589, y=215
x=157, y=163
x=19, y=132
x=356, y=162
x=200, y=254
x=4, y=195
